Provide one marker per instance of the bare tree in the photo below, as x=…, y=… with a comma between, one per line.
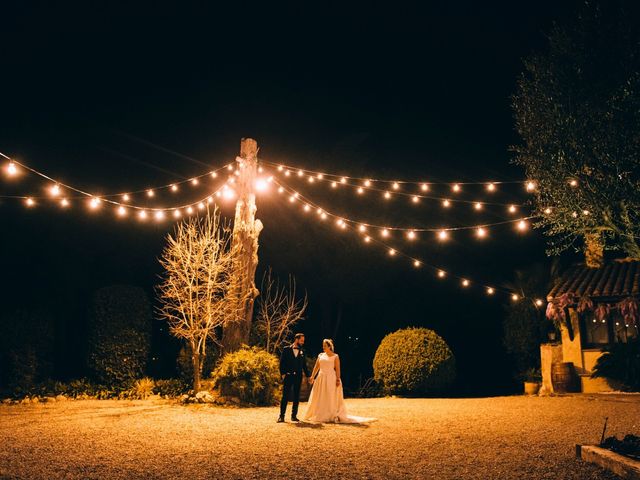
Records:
x=194, y=290
x=278, y=311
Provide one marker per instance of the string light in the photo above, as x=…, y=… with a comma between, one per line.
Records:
x=478, y=206
x=174, y=188
x=30, y=202
x=531, y=186
x=396, y=186
x=411, y=235
x=12, y=170
x=159, y=215
x=122, y=211
x=416, y=263
x=441, y=274
x=465, y=282
x=481, y=232
x=491, y=187
x=94, y=203
x=573, y=182
x=392, y=252
x=515, y=297
x=177, y=213
x=64, y=202
x=443, y=235
x=456, y=187
x=512, y=209
x=424, y=187
x=125, y=197
x=150, y=193
x=522, y=225
x=142, y=214
x=415, y=199
x=360, y=190
x=490, y=291
x=387, y=195
x=55, y=190
x=446, y=203
x=547, y=210
x=539, y=302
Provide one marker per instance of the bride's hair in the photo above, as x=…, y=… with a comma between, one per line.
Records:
x=329, y=343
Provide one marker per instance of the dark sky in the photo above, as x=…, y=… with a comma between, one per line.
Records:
x=382, y=90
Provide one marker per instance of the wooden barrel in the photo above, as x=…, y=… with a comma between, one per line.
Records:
x=564, y=378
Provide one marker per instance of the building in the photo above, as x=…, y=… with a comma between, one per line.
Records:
x=590, y=305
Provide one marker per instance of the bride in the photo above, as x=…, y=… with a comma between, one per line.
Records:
x=326, y=401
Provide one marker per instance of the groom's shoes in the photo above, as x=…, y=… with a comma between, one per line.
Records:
x=280, y=419
x=294, y=419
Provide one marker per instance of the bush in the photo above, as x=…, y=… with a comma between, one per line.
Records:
x=621, y=363
x=119, y=335
x=414, y=361
x=141, y=389
x=250, y=374
x=172, y=387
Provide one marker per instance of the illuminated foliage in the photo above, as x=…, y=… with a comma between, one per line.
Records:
x=414, y=361
x=577, y=109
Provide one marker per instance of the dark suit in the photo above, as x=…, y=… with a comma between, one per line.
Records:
x=292, y=367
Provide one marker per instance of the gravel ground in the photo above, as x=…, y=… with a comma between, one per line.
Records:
x=486, y=438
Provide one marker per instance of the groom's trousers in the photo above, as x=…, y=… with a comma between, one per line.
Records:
x=291, y=385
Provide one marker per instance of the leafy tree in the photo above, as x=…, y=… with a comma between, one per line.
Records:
x=26, y=348
x=119, y=334
x=524, y=325
x=577, y=109
x=621, y=363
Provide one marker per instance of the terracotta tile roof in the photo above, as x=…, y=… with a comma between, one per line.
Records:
x=620, y=278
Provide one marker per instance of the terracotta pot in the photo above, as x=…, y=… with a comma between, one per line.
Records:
x=531, y=388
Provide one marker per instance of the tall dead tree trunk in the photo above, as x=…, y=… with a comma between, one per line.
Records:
x=246, y=230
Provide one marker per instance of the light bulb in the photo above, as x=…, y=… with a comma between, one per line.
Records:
x=150, y=193
x=189, y=210
x=142, y=214
x=307, y=208
x=522, y=225
x=531, y=186
x=481, y=232
x=311, y=179
x=491, y=187
x=287, y=173
x=367, y=183
x=194, y=181
x=174, y=188
x=411, y=235
x=64, y=202
x=94, y=203
x=539, y=302
x=360, y=190
x=261, y=185
x=55, y=190
x=515, y=297
x=214, y=175
x=424, y=187
x=441, y=273
x=547, y=210
x=416, y=263
x=385, y=232
x=230, y=167
x=443, y=234
x=12, y=169
x=343, y=180
x=159, y=215
x=201, y=206
x=387, y=195
x=122, y=211
x=455, y=187
x=573, y=182
x=177, y=213
x=280, y=168
x=125, y=197
x=300, y=173
x=512, y=209
x=320, y=176
x=323, y=216
x=392, y=252
x=396, y=185
x=362, y=228
x=367, y=239
x=334, y=184
x=490, y=291
x=465, y=283
x=280, y=189
x=30, y=202
x=415, y=199
x=478, y=206
x=446, y=203
x=292, y=199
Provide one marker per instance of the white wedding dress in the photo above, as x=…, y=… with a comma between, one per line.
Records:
x=326, y=401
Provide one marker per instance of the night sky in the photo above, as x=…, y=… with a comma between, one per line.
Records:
x=100, y=97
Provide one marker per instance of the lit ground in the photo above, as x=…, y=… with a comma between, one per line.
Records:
x=504, y=437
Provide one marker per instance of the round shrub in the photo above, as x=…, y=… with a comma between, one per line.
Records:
x=414, y=361
x=250, y=374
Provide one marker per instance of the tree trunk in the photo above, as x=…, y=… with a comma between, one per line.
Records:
x=246, y=230
x=196, y=360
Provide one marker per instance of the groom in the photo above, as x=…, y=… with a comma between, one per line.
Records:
x=292, y=364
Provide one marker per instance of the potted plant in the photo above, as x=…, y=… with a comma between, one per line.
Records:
x=532, y=380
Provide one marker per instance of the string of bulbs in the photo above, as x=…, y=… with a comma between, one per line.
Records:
x=385, y=230
x=58, y=189
x=360, y=229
